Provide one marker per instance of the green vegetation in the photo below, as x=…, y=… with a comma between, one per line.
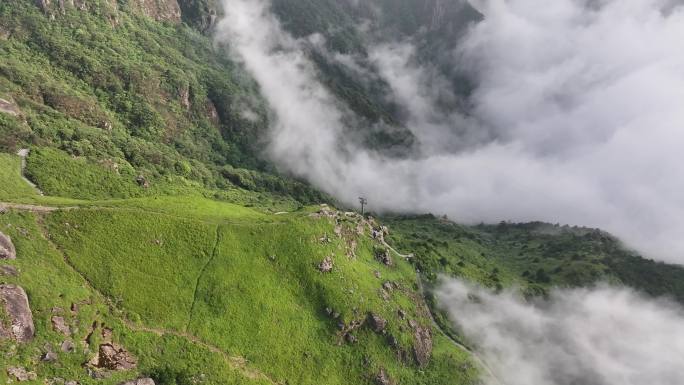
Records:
x=12, y=186
x=161, y=226
x=535, y=256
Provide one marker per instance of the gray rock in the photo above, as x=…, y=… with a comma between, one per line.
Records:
x=7, y=250
x=16, y=307
x=21, y=374
x=422, y=346
x=139, y=381
x=9, y=107
x=114, y=357
x=326, y=265
x=67, y=346
x=59, y=324
x=8, y=271
x=382, y=378
x=49, y=357
x=377, y=323
x=384, y=257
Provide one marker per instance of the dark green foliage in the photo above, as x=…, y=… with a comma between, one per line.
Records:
x=535, y=255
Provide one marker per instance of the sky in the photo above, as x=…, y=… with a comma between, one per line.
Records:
x=577, y=118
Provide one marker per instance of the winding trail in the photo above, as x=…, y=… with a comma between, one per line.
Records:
x=489, y=373
x=237, y=363
x=23, y=153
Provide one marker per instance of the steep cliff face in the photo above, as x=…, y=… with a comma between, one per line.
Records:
x=159, y=10
x=200, y=14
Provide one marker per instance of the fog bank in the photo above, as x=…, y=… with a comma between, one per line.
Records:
x=576, y=118
x=605, y=336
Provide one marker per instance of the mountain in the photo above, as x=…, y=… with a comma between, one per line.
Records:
x=145, y=238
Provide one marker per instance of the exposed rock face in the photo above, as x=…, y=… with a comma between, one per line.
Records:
x=67, y=346
x=201, y=14
x=326, y=265
x=139, y=381
x=114, y=357
x=160, y=10
x=16, y=308
x=384, y=257
x=7, y=250
x=8, y=271
x=382, y=378
x=142, y=182
x=377, y=323
x=60, y=325
x=9, y=107
x=422, y=345
x=21, y=374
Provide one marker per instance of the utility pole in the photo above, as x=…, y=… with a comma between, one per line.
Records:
x=363, y=202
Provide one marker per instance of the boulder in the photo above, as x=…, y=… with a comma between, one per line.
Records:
x=422, y=346
x=7, y=250
x=142, y=182
x=384, y=257
x=49, y=356
x=8, y=271
x=60, y=325
x=139, y=381
x=382, y=378
x=9, y=107
x=16, y=308
x=377, y=323
x=114, y=357
x=326, y=265
x=21, y=374
x=67, y=346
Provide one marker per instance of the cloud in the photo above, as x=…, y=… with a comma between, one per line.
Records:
x=576, y=118
x=604, y=336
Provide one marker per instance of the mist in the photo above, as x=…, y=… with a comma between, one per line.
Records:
x=576, y=118
x=604, y=336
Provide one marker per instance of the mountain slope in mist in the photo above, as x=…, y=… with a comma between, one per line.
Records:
x=549, y=123
x=177, y=231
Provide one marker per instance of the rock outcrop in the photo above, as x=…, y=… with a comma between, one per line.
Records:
x=16, y=308
x=377, y=323
x=8, y=271
x=114, y=357
x=21, y=374
x=9, y=107
x=139, y=381
x=384, y=257
x=60, y=325
x=159, y=10
x=326, y=265
x=382, y=378
x=422, y=345
x=7, y=250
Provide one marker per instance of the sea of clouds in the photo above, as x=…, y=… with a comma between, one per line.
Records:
x=576, y=118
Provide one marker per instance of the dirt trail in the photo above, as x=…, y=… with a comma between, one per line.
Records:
x=479, y=360
x=238, y=363
x=23, y=153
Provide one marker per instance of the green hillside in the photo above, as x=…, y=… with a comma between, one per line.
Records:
x=155, y=230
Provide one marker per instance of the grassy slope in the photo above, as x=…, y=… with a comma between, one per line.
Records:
x=188, y=283
x=13, y=186
x=133, y=97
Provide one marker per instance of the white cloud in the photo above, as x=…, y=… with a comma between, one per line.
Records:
x=577, y=118
x=604, y=336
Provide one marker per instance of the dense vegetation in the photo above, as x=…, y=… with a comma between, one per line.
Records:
x=123, y=96
x=157, y=227
x=535, y=256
